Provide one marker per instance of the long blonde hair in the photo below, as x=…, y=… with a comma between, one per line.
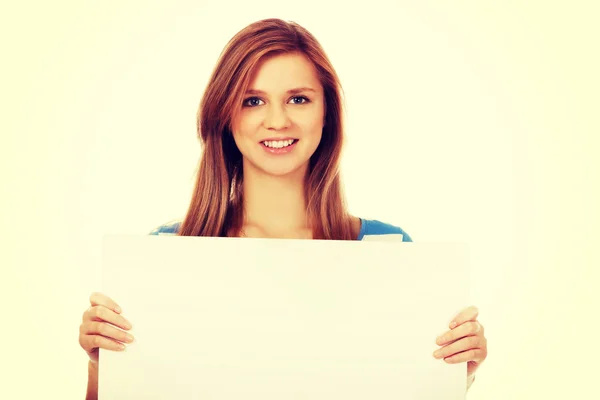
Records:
x=216, y=207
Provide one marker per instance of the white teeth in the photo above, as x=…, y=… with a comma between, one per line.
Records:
x=278, y=144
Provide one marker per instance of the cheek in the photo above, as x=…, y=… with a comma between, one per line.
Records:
x=245, y=126
x=238, y=130
x=317, y=121
x=237, y=141
x=313, y=127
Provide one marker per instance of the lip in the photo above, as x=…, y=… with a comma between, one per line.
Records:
x=283, y=150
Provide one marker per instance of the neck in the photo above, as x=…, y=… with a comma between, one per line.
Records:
x=273, y=205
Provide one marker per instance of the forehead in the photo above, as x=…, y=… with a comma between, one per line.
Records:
x=284, y=71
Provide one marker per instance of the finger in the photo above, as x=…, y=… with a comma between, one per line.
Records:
x=99, y=299
x=106, y=330
x=103, y=314
x=468, y=314
x=468, y=343
x=474, y=355
x=469, y=328
x=100, y=342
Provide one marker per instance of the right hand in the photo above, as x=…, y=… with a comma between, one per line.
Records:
x=100, y=327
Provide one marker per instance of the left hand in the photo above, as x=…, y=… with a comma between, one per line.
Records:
x=464, y=342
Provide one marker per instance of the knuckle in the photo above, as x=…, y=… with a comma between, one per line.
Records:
x=473, y=327
x=99, y=312
x=88, y=313
x=103, y=329
x=100, y=328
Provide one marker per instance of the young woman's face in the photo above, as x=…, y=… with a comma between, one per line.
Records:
x=282, y=117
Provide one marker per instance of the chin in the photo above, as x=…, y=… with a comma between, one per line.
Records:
x=280, y=170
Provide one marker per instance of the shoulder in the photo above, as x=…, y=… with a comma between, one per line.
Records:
x=377, y=230
x=169, y=228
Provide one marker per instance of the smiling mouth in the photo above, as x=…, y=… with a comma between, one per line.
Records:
x=278, y=144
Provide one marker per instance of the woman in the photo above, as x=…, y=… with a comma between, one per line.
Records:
x=270, y=122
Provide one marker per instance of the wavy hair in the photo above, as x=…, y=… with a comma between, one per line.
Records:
x=216, y=207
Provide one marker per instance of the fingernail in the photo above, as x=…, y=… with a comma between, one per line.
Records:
x=452, y=324
x=436, y=354
x=127, y=325
x=439, y=340
x=118, y=309
x=121, y=347
x=129, y=338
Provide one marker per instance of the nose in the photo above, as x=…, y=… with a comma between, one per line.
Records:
x=276, y=118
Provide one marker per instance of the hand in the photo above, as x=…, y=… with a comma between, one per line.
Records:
x=99, y=328
x=464, y=342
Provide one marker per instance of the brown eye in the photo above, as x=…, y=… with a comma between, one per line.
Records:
x=299, y=100
x=252, y=102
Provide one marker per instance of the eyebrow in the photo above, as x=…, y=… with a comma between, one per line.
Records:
x=291, y=91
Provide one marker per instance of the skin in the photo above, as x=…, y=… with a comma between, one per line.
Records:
x=284, y=99
x=100, y=330
x=463, y=342
x=274, y=203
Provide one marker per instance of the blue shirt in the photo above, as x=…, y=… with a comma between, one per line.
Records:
x=369, y=230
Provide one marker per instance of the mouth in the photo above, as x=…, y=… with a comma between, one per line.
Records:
x=278, y=144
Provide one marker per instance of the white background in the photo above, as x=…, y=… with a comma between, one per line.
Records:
x=467, y=121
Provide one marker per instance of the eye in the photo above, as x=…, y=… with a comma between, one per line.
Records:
x=251, y=102
x=299, y=100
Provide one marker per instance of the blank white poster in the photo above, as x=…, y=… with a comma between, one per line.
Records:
x=225, y=319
